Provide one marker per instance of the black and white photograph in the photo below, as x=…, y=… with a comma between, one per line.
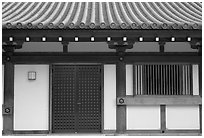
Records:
x=101, y=68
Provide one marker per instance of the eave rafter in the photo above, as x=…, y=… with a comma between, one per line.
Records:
x=100, y=35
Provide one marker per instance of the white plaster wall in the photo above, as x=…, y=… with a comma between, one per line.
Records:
x=182, y=117
x=195, y=80
x=144, y=47
x=143, y=117
x=178, y=47
x=41, y=47
x=129, y=79
x=109, y=97
x=89, y=47
x=31, y=98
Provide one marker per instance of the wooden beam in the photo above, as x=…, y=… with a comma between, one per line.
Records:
x=8, y=106
x=159, y=100
x=120, y=91
x=30, y=132
x=46, y=58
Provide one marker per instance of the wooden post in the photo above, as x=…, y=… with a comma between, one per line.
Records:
x=8, y=96
x=120, y=91
x=163, y=118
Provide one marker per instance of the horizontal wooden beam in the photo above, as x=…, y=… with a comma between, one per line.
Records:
x=47, y=58
x=27, y=132
x=159, y=100
x=100, y=35
x=186, y=132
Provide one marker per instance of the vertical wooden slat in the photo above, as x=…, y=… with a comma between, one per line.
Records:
x=181, y=79
x=8, y=119
x=177, y=79
x=169, y=79
x=157, y=81
x=144, y=80
x=163, y=118
x=191, y=79
x=184, y=81
x=172, y=79
x=187, y=91
x=134, y=80
x=138, y=67
x=153, y=79
x=165, y=80
x=120, y=92
x=148, y=80
x=141, y=70
x=162, y=80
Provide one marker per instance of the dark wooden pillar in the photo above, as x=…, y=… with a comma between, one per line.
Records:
x=8, y=106
x=163, y=118
x=120, y=92
x=121, y=84
x=200, y=85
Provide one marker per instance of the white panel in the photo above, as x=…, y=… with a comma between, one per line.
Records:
x=31, y=98
x=182, y=117
x=89, y=47
x=144, y=47
x=143, y=117
x=129, y=79
x=195, y=80
x=109, y=97
x=41, y=47
x=178, y=47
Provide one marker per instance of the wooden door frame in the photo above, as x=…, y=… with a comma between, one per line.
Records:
x=50, y=92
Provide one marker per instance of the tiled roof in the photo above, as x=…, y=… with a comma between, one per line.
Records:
x=102, y=15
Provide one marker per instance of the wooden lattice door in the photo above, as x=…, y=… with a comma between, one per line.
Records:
x=76, y=98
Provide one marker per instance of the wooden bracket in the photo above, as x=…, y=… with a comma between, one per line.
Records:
x=65, y=46
x=161, y=46
x=196, y=44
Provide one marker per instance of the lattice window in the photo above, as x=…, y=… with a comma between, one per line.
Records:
x=163, y=79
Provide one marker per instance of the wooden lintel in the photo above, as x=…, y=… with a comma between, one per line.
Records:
x=46, y=58
x=160, y=100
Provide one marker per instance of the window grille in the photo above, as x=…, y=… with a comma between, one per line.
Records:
x=162, y=79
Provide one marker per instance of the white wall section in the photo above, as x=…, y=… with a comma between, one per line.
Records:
x=195, y=80
x=109, y=97
x=143, y=117
x=31, y=98
x=182, y=117
x=129, y=79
